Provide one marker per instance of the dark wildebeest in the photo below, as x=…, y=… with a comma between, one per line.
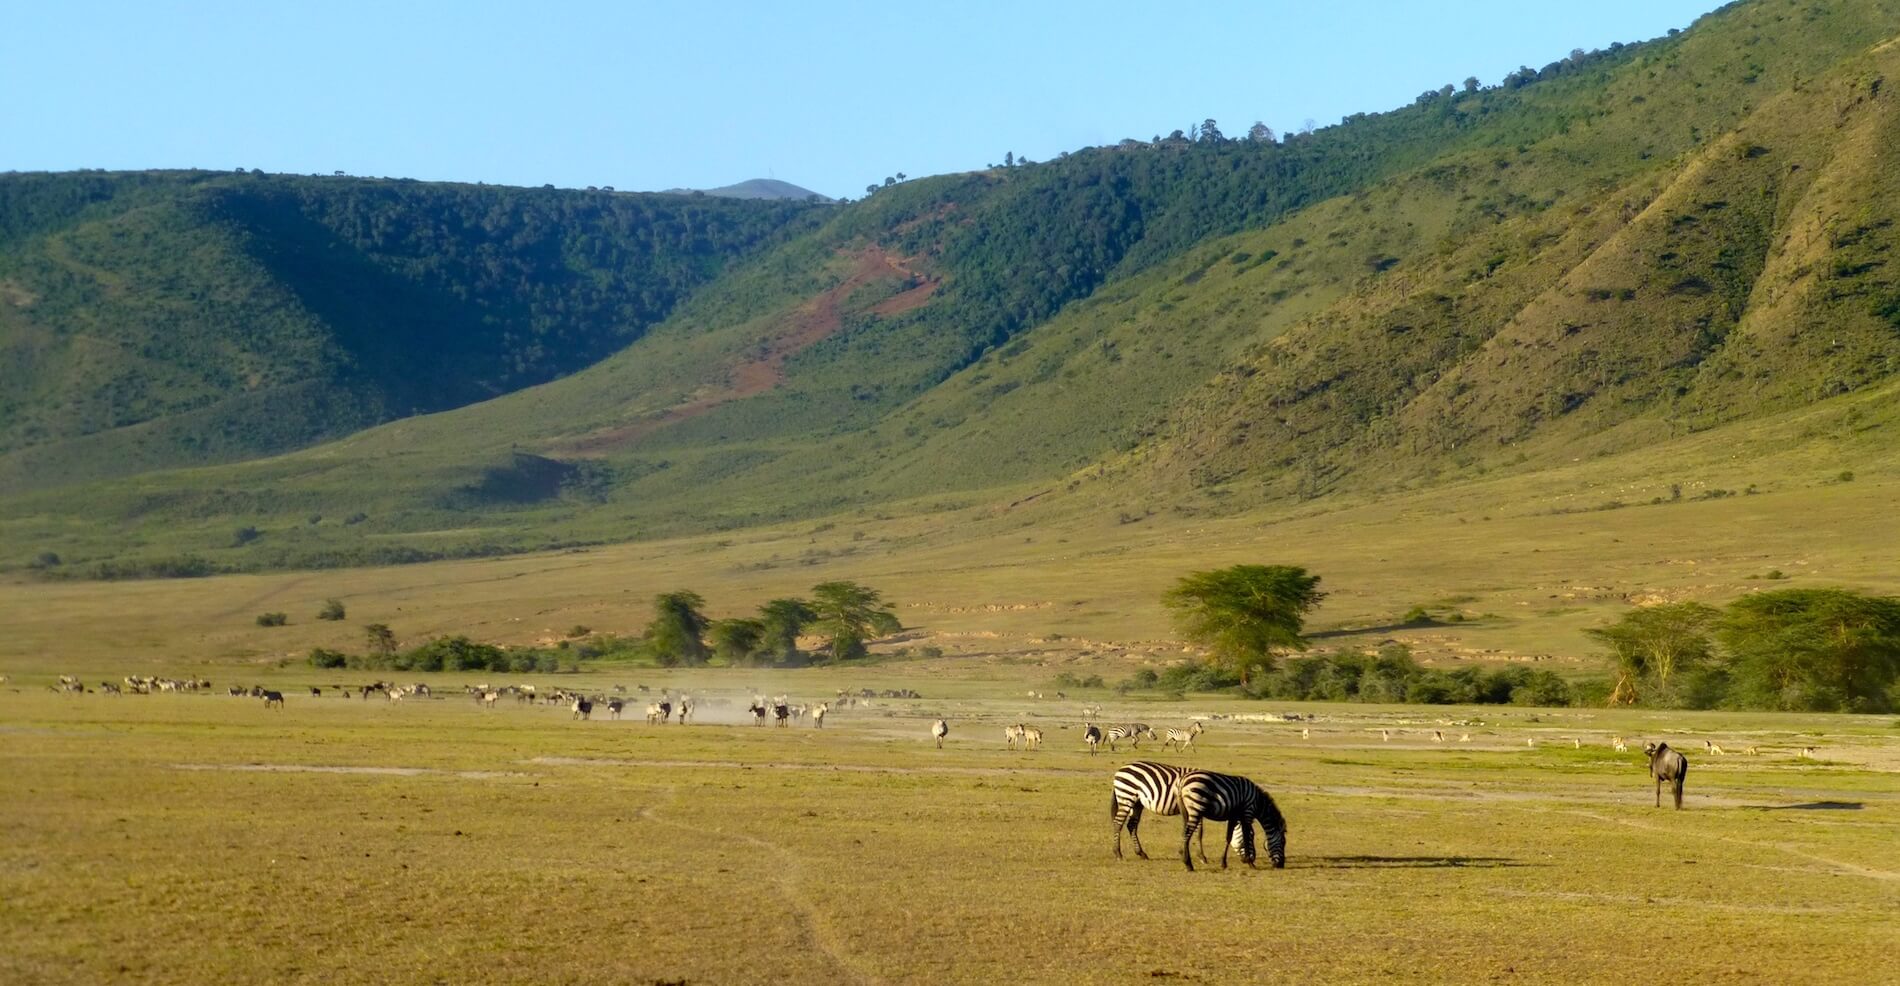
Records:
x=582, y=708
x=273, y=698
x=1667, y=765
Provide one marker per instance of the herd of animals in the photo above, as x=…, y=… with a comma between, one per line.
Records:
x=1198, y=796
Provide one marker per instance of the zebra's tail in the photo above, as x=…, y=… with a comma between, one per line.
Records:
x=1114, y=804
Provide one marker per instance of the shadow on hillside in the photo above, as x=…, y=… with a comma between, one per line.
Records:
x=1387, y=628
x=1812, y=806
x=1417, y=862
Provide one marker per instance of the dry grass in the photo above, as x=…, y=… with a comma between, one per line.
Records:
x=186, y=839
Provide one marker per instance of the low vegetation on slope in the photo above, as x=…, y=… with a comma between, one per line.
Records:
x=1625, y=247
x=158, y=319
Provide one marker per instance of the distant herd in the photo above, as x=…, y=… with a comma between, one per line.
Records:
x=1198, y=796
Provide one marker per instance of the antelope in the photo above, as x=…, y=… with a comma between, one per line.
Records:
x=1621, y=745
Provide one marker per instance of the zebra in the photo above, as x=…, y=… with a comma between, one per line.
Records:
x=1092, y=735
x=1237, y=801
x=1183, y=737
x=1032, y=738
x=1013, y=735
x=1133, y=732
x=940, y=729
x=1667, y=765
x=818, y=715
x=1145, y=784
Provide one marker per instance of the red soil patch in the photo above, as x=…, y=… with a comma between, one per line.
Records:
x=810, y=323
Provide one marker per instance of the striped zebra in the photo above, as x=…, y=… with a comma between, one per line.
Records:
x=1237, y=801
x=1183, y=738
x=1133, y=732
x=1146, y=785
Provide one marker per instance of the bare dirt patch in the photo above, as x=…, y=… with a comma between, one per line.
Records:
x=764, y=368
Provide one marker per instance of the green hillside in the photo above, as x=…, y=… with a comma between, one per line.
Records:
x=152, y=320
x=1627, y=248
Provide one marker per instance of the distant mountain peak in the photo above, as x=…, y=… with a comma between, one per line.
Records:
x=756, y=188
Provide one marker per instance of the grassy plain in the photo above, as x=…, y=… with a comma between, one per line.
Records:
x=200, y=838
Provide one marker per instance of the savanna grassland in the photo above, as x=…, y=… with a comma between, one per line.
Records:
x=201, y=838
x=188, y=838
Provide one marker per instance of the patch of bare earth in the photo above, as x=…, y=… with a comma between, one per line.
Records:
x=811, y=323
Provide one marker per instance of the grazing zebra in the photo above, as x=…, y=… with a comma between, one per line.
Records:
x=581, y=708
x=1183, y=737
x=1013, y=735
x=614, y=706
x=1133, y=732
x=1237, y=801
x=273, y=699
x=1092, y=735
x=489, y=699
x=1032, y=738
x=940, y=729
x=1667, y=765
x=1141, y=785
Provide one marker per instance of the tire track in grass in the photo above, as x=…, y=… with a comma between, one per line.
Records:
x=1851, y=869
x=812, y=925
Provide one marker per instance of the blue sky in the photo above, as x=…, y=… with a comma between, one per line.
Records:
x=830, y=95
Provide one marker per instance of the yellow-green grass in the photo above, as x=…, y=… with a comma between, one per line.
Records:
x=201, y=838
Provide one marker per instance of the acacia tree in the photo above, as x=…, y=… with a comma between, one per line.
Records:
x=1245, y=614
x=676, y=635
x=848, y=614
x=782, y=620
x=1816, y=649
x=737, y=640
x=381, y=639
x=1656, y=642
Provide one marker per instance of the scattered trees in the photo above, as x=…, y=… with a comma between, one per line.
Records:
x=677, y=633
x=782, y=620
x=380, y=639
x=848, y=614
x=738, y=640
x=1653, y=644
x=1245, y=614
x=1794, y=649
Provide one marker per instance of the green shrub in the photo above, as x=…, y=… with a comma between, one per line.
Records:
x=321, y=658
x=332, y=610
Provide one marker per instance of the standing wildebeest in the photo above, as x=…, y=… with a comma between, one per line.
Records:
x=582, y=708
x=940, y=729
x=614, y=706
x=1667, y=765
x=1092, y=735
x=273, y=698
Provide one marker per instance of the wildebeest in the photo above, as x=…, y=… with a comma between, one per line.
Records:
x=781, y=712
x=1667, y=765
x=582, y=708
x=273, y=698
x=614, y=706
x=1092, y=735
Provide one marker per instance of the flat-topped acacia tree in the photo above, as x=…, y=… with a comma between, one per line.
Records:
x=1245, y=614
